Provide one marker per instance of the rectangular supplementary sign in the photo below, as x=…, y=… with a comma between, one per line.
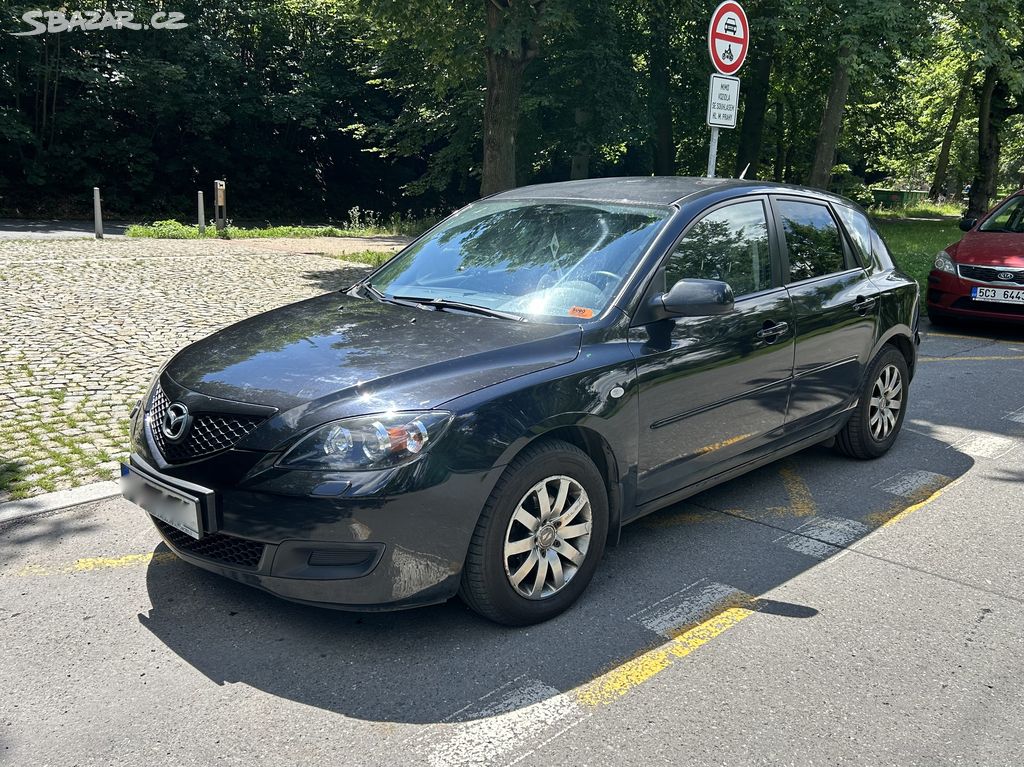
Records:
x=723, y=101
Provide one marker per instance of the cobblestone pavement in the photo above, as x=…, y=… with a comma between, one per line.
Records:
x=84, y=325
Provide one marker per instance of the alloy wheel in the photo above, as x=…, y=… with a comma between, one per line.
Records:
x=548, y=537
x=886, y=403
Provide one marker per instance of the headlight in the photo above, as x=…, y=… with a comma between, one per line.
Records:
x=944, y=262
x=367, y=443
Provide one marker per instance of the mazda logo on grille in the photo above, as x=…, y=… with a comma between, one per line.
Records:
x=1006, y=275
x=176, y=422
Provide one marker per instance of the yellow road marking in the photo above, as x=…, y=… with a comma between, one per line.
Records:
x=895, y=513
x=101, y=563
x=801, y=502
x=973, y=359
x=615, y=683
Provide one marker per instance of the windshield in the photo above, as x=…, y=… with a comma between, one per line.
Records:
x=548, y=258
x=1008, y=218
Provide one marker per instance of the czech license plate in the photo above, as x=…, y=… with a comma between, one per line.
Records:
x=1001, y=295
x=165, y=502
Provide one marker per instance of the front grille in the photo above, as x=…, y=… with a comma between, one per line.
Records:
x=225, y=549
x=988, y=306
x=991, y=274
x=209, y=433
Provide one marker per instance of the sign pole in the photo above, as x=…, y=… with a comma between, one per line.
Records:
x=728, y=43
x=713, y=153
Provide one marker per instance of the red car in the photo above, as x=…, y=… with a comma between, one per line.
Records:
x=982, y=276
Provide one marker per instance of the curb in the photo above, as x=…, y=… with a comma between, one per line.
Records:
x=62, y=499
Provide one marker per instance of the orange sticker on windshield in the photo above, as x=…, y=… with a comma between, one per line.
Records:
x=582, y=312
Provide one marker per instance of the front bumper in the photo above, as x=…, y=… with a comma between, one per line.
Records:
x=950, y=296
x=376, y=552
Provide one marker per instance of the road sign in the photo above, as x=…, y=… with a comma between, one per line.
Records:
x=723, y=101
x=728, y=37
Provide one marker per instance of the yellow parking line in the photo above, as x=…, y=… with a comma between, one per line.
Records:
x=973, y=359
x=89, y=564
x=931, y=333
x=801, y=502
x=896, y=514
x=615, y=683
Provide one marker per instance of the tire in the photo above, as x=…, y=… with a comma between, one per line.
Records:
x=871, y=431
x=503, y=543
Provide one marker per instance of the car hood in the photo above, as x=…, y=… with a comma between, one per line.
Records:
x=990, y=249
x=383, y=356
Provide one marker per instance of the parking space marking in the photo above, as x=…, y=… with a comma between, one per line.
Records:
x=620, y=680
x=688, y=607
x=1017, y=416
x=100, y=563
x=801, y=502
x=823, y=537
x=896, y=514
x=985, y=445
x=973, y=359
x=504, y=723
x=982, y=339
x=911, y=483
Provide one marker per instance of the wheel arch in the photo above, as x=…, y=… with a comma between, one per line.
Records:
x=600, y=451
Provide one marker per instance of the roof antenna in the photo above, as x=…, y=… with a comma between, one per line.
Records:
x=743, y=175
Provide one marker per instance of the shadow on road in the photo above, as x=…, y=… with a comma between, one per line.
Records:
x=424, y=665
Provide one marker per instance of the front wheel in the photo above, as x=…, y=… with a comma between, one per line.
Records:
x=876, y=422
x=539, y=538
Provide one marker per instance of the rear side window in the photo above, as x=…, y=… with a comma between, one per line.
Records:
x=859, y=228
x=812, y=239
x=729, y=244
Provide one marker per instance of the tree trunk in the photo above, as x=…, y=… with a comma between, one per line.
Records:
x=501, y=117
x=942, y=164
x=983, y=188
x=501, y=105
x=580, y=166
x=660, y=105
x=752, y=129
x=780, y=140
x=831, y=120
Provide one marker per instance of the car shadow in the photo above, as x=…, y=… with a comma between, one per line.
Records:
x=435, y=664
x=982, y=329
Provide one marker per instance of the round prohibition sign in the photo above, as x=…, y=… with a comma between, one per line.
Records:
x=728, y=37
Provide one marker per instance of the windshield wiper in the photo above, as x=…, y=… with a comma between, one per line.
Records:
x=376, y=295
x=446, y=303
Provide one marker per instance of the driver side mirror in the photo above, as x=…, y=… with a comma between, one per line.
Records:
x=967, y=224
x=696, y=298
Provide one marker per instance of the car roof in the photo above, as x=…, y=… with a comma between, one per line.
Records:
x=656, y=190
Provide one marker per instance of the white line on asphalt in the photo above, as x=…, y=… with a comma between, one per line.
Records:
x=985, y=445
x=1017, y=416
x=911, y=483
x=686, y=608
x=822, y=537
x=503, y=727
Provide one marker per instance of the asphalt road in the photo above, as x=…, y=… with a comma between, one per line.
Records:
x=59, y=229
x=819, y=611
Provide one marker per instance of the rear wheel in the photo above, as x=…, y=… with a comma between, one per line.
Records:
x=539, y=538
x=876, y=422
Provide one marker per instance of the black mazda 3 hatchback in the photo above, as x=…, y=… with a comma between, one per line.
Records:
x=482, y=414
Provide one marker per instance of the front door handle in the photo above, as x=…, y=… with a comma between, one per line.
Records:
x=771, y=333
x=863, y=303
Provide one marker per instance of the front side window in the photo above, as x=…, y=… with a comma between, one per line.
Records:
x=555, y=259
x=812, y=239
x=729, y=244
x=1009, y=218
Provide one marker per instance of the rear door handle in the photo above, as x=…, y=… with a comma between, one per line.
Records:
x=771, y=333
x=863, y=303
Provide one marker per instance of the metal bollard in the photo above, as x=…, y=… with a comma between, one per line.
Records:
x=97, y=212
x=202, y=216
